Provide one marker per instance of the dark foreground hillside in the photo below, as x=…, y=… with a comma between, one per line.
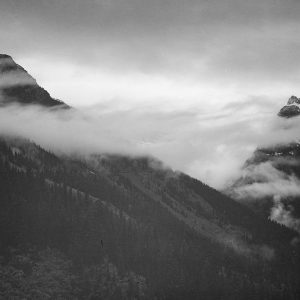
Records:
x=112, y=227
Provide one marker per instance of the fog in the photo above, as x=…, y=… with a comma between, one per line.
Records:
x=267, y=181
x=211, y=146
x=283, y=213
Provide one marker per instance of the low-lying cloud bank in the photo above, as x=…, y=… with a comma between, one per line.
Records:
x=211, y=145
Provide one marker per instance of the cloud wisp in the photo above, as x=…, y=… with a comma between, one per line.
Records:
x=283, y=214
x=266, y=181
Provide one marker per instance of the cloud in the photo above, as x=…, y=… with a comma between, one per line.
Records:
x=265, y=181
x=210, y=145
x=65, y=131
x=283, y=214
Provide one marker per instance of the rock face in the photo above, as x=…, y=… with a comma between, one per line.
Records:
x=292, y=109
x=17, y=86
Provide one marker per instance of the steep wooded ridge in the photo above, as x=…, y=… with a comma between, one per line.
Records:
x=115, y=227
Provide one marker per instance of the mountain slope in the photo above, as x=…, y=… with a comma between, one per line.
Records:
x=180, y=237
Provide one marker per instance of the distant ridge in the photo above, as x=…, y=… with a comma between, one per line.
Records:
x=18, y=86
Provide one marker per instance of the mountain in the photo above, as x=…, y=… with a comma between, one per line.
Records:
x=17, y=86
x=117, y=227
x=271, y=177
x=292, y=108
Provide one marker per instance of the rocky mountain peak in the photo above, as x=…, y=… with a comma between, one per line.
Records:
x=293, y=99
x=5, y=58
x=292, y=109
x=12, y=74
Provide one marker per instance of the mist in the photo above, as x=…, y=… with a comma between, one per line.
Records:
x=267, y=181
x=283, y=214
x=211, y=146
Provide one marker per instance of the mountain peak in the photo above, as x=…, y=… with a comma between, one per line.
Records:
x=18, y=86
x=13, y=74
x=5, y=56
x=293, y=99
x=6, y=61
x=292, y=109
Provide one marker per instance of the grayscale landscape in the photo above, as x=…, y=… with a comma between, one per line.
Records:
x=149, y=149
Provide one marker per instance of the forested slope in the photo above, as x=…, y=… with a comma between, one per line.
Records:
x=111, y=227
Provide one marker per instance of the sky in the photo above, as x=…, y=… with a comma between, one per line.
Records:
x=197, y=84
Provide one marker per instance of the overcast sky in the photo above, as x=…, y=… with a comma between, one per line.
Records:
x=175, y=50
x=226, y=63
